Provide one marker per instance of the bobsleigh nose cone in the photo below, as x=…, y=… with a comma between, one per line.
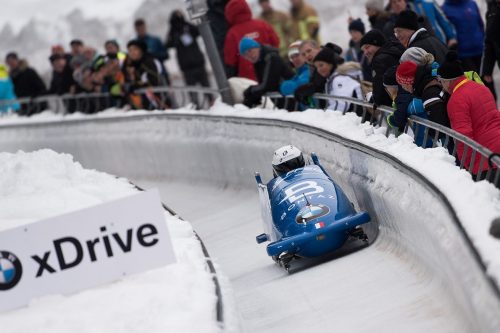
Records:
x=495, y=228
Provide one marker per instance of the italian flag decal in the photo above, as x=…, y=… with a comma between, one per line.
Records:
x=319, y=225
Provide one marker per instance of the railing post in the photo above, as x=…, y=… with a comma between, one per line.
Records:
x=215, y=60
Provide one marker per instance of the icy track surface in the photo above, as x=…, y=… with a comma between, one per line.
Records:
x=419, y=274
x=42, y=184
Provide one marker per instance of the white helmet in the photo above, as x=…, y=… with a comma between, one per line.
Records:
x=286, y=159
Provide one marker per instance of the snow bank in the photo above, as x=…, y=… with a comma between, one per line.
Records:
x=176, y=298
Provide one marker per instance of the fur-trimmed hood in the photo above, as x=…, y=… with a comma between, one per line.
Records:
x=350, y=68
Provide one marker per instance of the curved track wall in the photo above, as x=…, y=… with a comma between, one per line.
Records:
x=226, y=151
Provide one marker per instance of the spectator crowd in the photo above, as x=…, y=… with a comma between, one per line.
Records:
x=420, y=58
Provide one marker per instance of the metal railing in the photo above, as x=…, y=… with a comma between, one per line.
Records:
x=433, y=135
x=167, y=97
x=481, y=162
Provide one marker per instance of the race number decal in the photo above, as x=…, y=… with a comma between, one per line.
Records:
x=297, y=191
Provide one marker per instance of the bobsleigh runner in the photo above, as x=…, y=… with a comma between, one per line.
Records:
x=305, y=213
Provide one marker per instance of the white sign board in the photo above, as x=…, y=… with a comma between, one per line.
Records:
x=83, y=249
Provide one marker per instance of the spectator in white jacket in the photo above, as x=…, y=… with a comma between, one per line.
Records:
x=343, y=80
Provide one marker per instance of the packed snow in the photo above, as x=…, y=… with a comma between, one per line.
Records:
x=176, y=298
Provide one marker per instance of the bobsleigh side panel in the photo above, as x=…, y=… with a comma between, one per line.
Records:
x=265, y=211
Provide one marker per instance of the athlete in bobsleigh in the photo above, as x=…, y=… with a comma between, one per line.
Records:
x=305, y=213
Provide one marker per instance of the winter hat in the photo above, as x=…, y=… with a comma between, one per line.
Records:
x=407, y=19
x=247, y=43
x=390, y=77
x=138, y=43
x=357, y=25
x=55, y=57
x=330, y=53
x=11, y=55
x=373, y=37
x=451, y=68
x=76, y=42
x=293, y=48
x=406, y=73
x=177, y=20
x=418, y=56
x=112, y=42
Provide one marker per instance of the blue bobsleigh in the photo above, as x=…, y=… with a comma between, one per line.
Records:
x=306, y=214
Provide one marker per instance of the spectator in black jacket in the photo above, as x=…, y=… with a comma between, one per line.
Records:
x=354, y=53
x=62, y=76
x=382, y=55
x=377, y=15
x=269, y=67
x=407, y=31
x=491, y=44
x=218, y=23
x=27, y=83
x=182, y=36
x=142, y=70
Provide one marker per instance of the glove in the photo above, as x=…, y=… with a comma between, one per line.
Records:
x=251, y=99
x=392, y=126
x=303, y=93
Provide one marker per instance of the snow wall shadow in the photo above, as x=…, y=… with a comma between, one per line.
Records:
x=413, y=222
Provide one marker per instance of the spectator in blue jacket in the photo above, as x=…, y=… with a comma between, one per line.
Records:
x=6, y=92
x=302, y=71
x=465, y=16
x=154, y=44
x=443, y=29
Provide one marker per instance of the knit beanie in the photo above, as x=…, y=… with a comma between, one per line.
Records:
x=330, y=53
x=373, y=37
x=418, y=56
x=139, y=44
x=357, y=25
x=293, y=48
x=406, y=73
x=451, y=68
x=407, y=19
x=246, y=44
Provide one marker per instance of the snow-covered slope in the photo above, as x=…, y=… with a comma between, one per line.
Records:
x=176, y=298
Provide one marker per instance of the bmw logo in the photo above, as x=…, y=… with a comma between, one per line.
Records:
x=11, y=270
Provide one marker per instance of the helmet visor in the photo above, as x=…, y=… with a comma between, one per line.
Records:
x=294, y=163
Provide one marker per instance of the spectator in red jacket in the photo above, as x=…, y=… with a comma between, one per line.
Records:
x=239, y=17
x=472, y=111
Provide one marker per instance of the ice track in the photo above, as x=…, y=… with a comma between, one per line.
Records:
x=418, y=275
